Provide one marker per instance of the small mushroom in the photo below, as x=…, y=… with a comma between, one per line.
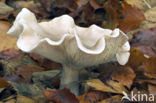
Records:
x=74, y=47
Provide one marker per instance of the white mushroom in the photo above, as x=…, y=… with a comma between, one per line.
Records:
x=74, y=47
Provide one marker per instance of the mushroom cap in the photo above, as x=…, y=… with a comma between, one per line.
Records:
x=62, y=41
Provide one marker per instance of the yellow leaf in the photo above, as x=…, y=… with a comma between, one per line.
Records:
x=112, y=87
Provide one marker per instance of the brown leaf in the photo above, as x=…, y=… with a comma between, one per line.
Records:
x=11, y=54
x=47, y=64
x=23, y=99
x=61, y=96
x=37, y=57
x=112, y=15
x=113, y=99
x=149, y=75
x=94, y=4
x=3, y=83
x=130, y=18
x=136, y=58
x=27, y=70
x=152, y=89
x=146, y=81
x=150, y=65
x=146, y=50
x=93, y=97
x=4, y=38
x=50, y=64
x=124, y=75
x=145, y=40
x=112, y=87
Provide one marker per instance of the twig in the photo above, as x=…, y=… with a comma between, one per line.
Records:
x=148, y=5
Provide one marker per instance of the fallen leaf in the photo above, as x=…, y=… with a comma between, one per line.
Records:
x=61, y=96
x=141, y=81
x=152, y=89
x=130, y=18
x=111, y=15
x=113, y=99
x=4, y=38
x=149, y=75
x=93, y=96
x=33, y=91
x=5, y=10
x=23, y=99
x=150, y=15
x=47, y=78
x=43, y=62
x=146, y=50
x=3, y=83
x=136, y=58
x=26, y=71
x=11, y=101
x=111, y=87
x=124, y=75
x=137, y=3
x=11, y=54
x=145, y=37
x=150, y=65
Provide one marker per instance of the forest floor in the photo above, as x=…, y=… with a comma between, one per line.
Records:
x=30, y=78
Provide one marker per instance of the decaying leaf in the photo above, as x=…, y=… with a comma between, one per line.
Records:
x=111, y=86
x=33, y=91
x=6, y=41
x=124, y=75
x=3, y=83
x=130, y=18
x=5, y=10
x=11, y=54
x=113, y=99
x=47, y=64
x=93, y=97
x=6, y=91
x=152, y=89
x=145, y=40
x=23, y=99
x=26, y=71
x=136, y=58
x=61, y=96
x=150, y=65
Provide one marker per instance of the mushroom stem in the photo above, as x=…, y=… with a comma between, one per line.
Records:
x=69, y=79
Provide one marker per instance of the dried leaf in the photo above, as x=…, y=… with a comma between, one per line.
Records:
x=33, y=91
x=11, y=54
x=150, y=65
x=113, y=99
x=124, y=75
x=93, y=97
x=145, y=40
x=112, y=87
x=4, y=38
x=61, y=96
x=136, y=58
x=47, y=64
x=152, y=89
x=23, y=99
x=11, y=101
x=130, y=18
x=5, y=10
x=26, y=71
x=3, y=83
